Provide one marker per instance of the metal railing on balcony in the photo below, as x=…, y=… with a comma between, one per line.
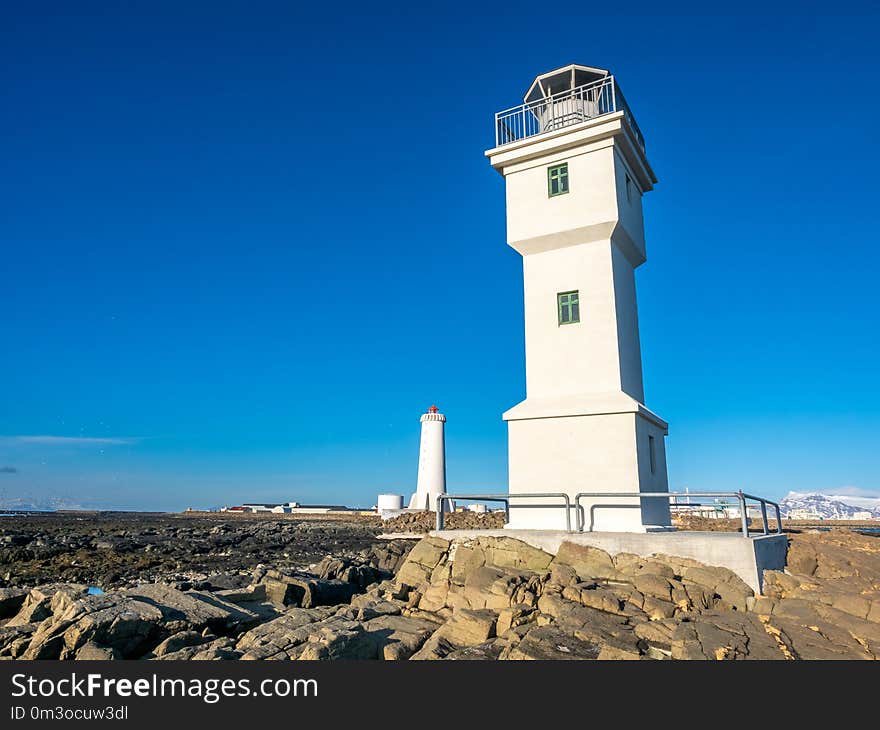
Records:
x=564, y=109
x=740, y=498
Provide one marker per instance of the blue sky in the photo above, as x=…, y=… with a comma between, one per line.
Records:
x=245, y=245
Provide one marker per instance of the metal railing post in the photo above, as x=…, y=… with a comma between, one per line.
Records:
x=743, y=513
x=778, y=518
x=439, y=522
x=764, y=517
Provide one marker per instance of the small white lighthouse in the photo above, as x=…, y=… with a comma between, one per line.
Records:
x=574, y=163
x=432, y=462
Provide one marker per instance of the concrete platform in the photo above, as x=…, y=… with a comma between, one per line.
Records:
x=747, y=557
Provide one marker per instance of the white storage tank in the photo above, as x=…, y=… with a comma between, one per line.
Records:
x=389, y=502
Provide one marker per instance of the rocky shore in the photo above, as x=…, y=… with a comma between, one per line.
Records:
x=486, y=598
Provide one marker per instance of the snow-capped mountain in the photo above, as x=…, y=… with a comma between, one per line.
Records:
x=828, y=507
x=36, y=504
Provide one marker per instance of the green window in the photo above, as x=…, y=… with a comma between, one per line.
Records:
x=568, y=307
x=557, y=179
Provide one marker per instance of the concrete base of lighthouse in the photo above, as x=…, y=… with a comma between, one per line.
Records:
x=606, y=443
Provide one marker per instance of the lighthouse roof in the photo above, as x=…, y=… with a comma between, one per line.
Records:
x=563, y=79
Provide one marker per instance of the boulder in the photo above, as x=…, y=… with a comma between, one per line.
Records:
x=422, y=560
x=514, y=616
x=248, y=594
x=194, y=610
x=589, y=624
x=507, y=552
x=488, y=651
x=11, y=601
x=178, y=641
x=399, y=637
x=306, y=590
x=37, y=606
x=551, y=643
x=282, y=637
x=90, y=651
x=726, y=584
x=436, y=647
x=468, y=627
x=724, y=635
x=339, y=639
x=587, y=561
x=131, y=622
x=219, y=649
x=15, y=639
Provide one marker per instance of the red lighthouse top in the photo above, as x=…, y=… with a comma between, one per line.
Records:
x=433, y=409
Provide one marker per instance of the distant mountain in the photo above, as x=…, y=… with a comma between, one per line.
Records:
x=827, y=507
x=37, y=504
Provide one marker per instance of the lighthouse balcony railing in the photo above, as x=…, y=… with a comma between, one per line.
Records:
x=564, y=109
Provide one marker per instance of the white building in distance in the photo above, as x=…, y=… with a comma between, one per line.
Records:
x=575, y=170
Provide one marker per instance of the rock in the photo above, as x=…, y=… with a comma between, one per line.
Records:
x=415, y=522
x=588, y=624
x=468, y=627
x=37, y=606
x=219, y=649
x=399, y=637
x=194, y=610
x=131, y=622
x=629, y=564
x=339, y=639
x=726, y=584
x=506, y=552
x=587, y=561
x=307, y=591
x=653, y=585
x=280, y=638
x=724, y=635
x=514, y=616
x=562, y=576
x=658, y=636
x=551, y=643
x=11, y=601
x=428, y=551
x=90, y=651
x=613, y=653
x=815, y=631
x=434, y=597
x=488, y=651
x=111, y=620
x=436, y=647
x=256, y=592
x=422, y=560
x=15, y=639
x=178, y=641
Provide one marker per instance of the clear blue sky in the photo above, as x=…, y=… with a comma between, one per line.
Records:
x=245, y=245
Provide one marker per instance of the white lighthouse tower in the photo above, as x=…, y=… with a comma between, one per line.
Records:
x=575, y=169
x=431, y=480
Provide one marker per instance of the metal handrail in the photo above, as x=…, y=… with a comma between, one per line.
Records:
x=740, y=496
x=506, y=499
x=564, y=109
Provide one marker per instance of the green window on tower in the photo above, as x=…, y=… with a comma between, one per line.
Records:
x=568, y=307
x=557, y=179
